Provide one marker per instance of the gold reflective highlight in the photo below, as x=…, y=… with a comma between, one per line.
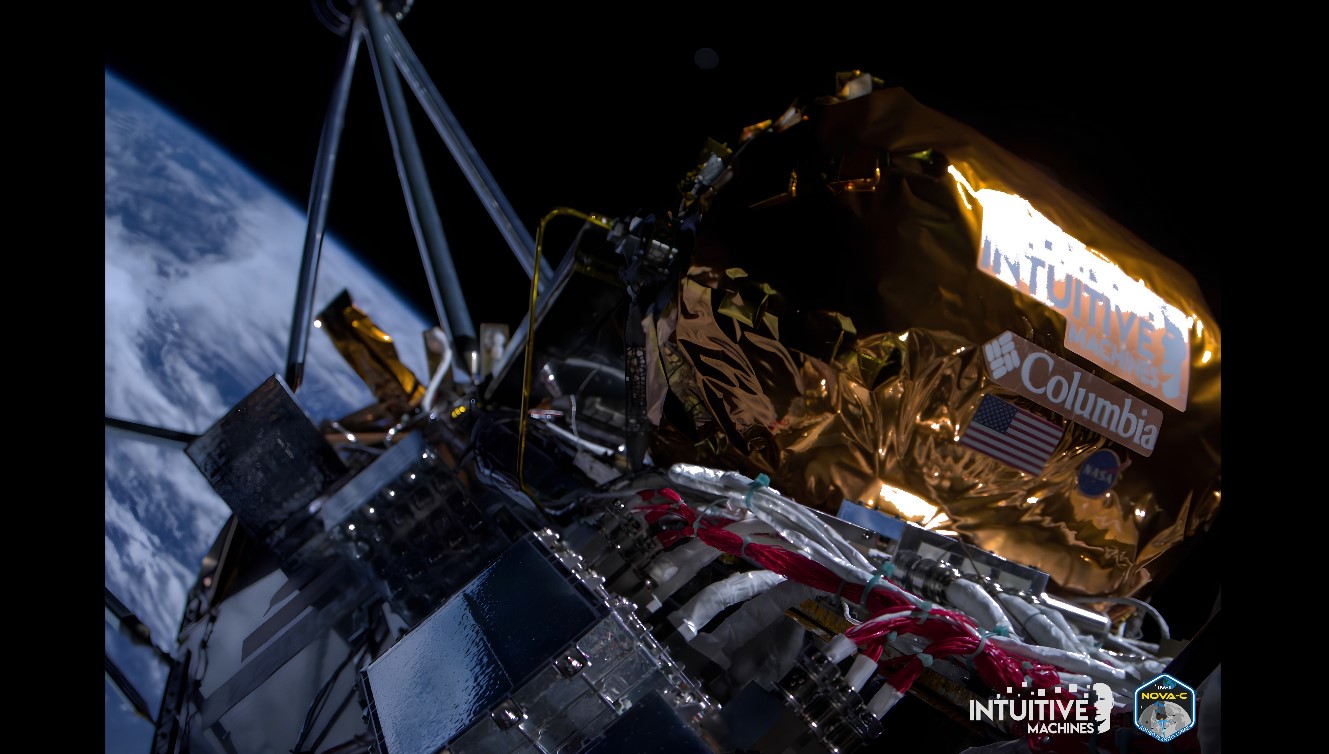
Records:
x=371, y=353
x=831, y=339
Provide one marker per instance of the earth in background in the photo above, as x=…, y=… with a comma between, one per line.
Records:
x=201, y=266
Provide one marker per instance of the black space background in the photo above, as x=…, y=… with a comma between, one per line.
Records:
x=605, y=110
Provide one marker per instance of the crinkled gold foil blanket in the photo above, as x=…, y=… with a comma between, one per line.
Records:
x=831, y=339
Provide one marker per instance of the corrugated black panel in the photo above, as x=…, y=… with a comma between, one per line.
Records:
x=471, y=653
x=266, y=459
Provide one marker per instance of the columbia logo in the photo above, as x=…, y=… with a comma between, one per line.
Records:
x=1001, y=355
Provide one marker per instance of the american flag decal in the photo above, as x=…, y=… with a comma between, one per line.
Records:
x=1012, y=435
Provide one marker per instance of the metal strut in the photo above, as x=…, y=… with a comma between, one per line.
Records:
x=320, y=195
x=392, y=57
x=146, y=430
x=468, y=159
x=449, y=301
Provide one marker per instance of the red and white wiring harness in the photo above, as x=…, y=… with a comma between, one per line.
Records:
x=800, y=553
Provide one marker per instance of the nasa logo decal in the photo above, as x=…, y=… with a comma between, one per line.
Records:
x=1099, y=472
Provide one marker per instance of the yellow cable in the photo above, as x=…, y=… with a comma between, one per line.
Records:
x=530, y=334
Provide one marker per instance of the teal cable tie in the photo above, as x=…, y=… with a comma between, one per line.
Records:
x=892, y=636
x=706, y=509
x=884, y=570
x=761, y=481
x=924, y=658
x=743, y=551
x=926, y=609
x=982, y=640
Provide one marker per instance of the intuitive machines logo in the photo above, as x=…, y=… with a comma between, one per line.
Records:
x=1165, y=708
x=1069, y=710
x=1112, y=318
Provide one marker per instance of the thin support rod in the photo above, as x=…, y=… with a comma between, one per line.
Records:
x=320, y=195
x=123, y=620
x=127, y=690
x=444, y=286
x=183, y=438
x=468, y=159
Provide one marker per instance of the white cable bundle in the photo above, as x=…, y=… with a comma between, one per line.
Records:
x=1140, y=671
x=1040, y=628
x=770, y=506
x=749, y=620
x=444, y=367
x=1072, y=661
x=689, y=556
x=1056, y=617
x=806, y=534
x=708, y=603
x=975, y=602
x=677, y=567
